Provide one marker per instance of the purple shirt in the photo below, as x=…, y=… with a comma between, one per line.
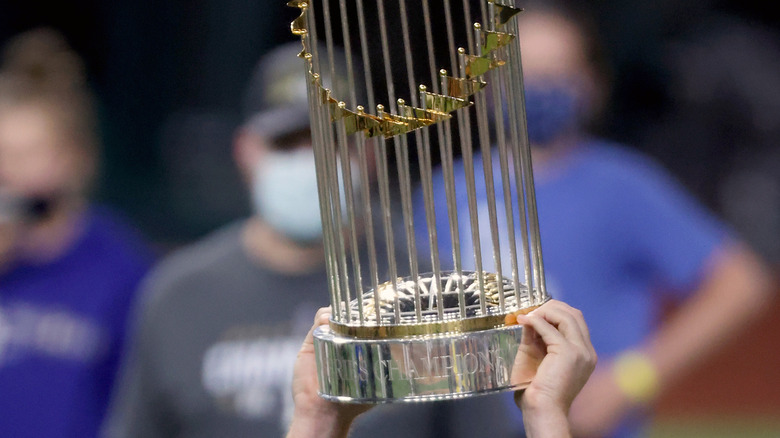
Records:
x=62, y=328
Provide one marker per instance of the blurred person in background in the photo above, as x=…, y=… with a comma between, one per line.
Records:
x=222, y=319
x=68, y=268
x=621, y=239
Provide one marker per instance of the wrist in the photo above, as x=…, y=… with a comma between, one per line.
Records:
x=636, y=376
x=544, y=419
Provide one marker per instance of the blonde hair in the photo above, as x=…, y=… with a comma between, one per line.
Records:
x=39, y=68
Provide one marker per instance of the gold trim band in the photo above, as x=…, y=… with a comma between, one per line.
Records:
x=429, y=328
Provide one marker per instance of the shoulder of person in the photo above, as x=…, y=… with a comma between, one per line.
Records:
x=623, y=165
x=187, y=265
x=113, y=236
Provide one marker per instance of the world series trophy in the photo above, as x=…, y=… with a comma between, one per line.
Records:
x=449, y=332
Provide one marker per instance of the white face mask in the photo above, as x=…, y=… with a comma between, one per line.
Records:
x=285, y=195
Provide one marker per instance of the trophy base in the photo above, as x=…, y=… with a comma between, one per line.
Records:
x=424, y=368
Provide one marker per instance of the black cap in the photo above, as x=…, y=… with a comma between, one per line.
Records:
x=276, y=102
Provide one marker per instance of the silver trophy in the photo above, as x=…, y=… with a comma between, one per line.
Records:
x=426, y=327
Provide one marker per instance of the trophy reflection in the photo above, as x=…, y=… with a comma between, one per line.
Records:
x=425, y=327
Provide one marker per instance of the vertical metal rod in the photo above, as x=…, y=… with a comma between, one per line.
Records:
x=348, y=53
x=447, y=153
x=384, y=198
x=429, y=46
x=533, y=215
x=332, y=229
x=346, y=176
x=487, y=169
x=452, y=206
x=407, y=51
x=402, y=158
x=450, y=37
x=345, y=160
x=384, y=191
x=318, y=141
x=330, y=154
x=378, y=151
x=321, y=192
x=444, y=133
x=365, y=53
x=368, y=217
x=311, y=24
x=335, y=85
x=467, y=18
x=509, y=83
x=505, y=179
x=496, y=87
x=483, y=11
x=424, y=155
x=464, y=125
x=386, y=55
x=333, y=179
x=423, y=151
x=362, y=156
x=445, y=148
x=515, y=129
x=440, y=132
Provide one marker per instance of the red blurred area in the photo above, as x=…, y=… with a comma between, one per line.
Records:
x=742, y=379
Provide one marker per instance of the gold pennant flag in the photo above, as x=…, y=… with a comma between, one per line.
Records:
x=298, y=26
x=503, y=13
x=479, y=65
x=437, y=106
x=360, y=121
x=492, y=40
x=442, y=104
x=463, y=88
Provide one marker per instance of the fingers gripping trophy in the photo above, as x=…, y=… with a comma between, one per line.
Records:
x=440, y=330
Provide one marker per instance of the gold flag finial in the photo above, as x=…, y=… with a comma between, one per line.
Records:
x=436, y=107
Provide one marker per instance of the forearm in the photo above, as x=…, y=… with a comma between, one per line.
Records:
x=729, y=299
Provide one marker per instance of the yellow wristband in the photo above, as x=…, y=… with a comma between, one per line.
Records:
x=636, y=376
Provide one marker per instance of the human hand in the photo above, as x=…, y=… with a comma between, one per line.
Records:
x=315, y=416
x=556, y=336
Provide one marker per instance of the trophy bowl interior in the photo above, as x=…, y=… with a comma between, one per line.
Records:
x=443, y=303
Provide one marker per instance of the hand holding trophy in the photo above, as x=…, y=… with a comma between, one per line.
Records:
x=555, y=337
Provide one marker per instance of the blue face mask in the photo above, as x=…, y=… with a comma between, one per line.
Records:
x=551, y=110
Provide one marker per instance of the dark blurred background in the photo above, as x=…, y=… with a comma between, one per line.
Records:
x=696, y=85
x=169, y=76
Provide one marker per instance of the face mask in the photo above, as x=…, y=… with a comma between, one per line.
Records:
x=25, y=209
x=39, y=208
x=285, y=194
x=551, y=110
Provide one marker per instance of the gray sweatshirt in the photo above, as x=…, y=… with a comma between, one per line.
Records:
x=215, y=341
